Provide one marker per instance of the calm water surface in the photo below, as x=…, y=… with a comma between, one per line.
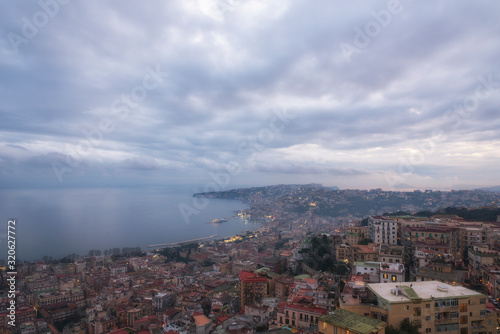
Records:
x=63, y=221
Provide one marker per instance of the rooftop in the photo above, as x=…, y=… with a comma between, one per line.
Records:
x=249, y=277
x=354, y=322
x=419, y=290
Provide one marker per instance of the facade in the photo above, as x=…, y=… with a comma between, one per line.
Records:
x=479, y=256
x=364, y=253
x=300, y=316
x=432, y=306
x=352, y=238
x=383, y=230
x=283, y=286
x=343, y=253
x=252, y=288
x=369, y=270
x=392, y=272
x=439, y=239
x=362, y=231
x=344, y=322
x=275, y=264
x=391, y=254
x=441, y=272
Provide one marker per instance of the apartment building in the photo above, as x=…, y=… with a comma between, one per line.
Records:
x=300, y=316
x=344, y=322
x=383, y=230
x=432, y=306
x=252, y=288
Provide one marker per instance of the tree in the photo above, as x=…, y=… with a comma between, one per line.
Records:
x=364, y=241
x=408, y=327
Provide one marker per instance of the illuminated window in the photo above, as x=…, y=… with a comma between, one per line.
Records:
x=463, y=307
x=394, y=278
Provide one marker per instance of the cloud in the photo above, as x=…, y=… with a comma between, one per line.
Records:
x=231, y=66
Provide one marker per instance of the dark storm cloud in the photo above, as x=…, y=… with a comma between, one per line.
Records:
x=230, y=70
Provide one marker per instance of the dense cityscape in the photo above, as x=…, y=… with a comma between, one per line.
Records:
x=249, y=166
x=322, y=260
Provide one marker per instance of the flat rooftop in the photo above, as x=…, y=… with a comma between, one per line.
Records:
x=420, y=290
x=354, y=322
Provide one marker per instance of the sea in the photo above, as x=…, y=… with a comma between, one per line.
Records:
x=59, y=222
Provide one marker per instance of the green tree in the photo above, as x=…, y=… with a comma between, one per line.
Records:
x=408, y=327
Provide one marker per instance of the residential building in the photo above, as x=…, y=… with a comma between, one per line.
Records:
x=343, y=253
x=300, y=316
x=283, y=286
x=441, y=272
x=391, y=253
x=383, y=230
x=432, y=306
x=392, y=272
x=344, y=322
x=275, y=264
x=364, y=253
x=480, y=255
x=252, y=288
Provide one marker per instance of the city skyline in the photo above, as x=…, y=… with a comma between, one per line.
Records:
x=394, y=95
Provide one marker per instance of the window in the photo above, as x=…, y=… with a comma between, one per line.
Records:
x=416, y=311
x=463, y=319
x=428, y=318
x=453, y=315
x=482, y=301
x=447, y=328
x=463, y=307
x=407, y=307
x=428, y=330
x=482, y=312
x=386, y=275
x=447, y=303
x=394, y=278
x=324, y=325
x=427, y=305
x=281, y=320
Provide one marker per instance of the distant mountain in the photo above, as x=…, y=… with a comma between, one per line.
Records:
x=494, y=189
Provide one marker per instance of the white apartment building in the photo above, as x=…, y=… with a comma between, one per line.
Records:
x=383, y=230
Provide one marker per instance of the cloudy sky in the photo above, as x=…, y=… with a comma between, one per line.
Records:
x=354, y=94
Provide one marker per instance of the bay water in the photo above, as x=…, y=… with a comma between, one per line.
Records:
x=58, y=222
